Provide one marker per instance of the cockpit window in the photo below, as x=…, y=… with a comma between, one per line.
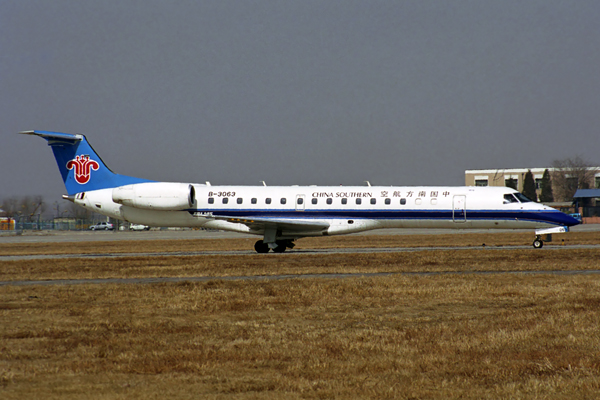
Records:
x=509, y=198
x=522, y=198
x=515, y=198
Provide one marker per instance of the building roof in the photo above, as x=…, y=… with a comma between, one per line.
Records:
x=586, y=193
x=520, y=170
x=507, y=170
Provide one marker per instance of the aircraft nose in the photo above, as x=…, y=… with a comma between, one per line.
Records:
x=557, y=217
x=570, y=221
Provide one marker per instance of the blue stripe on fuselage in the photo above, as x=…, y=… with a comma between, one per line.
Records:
x=549, y=216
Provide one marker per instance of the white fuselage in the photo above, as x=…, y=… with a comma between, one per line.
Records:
x=321, y=210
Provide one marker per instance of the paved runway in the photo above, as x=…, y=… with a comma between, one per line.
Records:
x=100, y=236
x=358, y=250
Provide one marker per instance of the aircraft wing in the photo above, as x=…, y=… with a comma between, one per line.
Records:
x=287, y=224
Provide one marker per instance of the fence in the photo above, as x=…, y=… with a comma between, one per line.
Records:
x=71, y=225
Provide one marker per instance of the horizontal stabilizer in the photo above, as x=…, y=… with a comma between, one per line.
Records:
x=67, y=137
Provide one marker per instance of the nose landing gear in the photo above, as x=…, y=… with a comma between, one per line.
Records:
x=538, y=243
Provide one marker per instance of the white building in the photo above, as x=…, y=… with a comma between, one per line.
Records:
x=501, y=177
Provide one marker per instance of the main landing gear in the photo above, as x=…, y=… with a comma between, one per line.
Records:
x=538, y=243
x=278, y=247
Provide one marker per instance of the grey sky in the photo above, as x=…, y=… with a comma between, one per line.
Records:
x=298, y=92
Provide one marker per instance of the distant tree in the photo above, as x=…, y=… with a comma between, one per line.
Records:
x=10, y=206
x=546, y=195
x=78, y=212
x=26, y=207
x=529, y=187
x=31, y=206
x=571, y=174
x=511, y=183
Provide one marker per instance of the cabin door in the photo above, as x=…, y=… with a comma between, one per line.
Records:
x=459, y=211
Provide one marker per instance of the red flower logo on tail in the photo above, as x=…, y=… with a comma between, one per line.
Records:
x=83, y=166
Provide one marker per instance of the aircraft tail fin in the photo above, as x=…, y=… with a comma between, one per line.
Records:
x=80, y=166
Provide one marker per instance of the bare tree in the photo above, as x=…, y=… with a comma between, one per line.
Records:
x=10, y=206
x=30, y=206
x=571, y=174
x=39, y=205
x=78, y=212
x=26, y=207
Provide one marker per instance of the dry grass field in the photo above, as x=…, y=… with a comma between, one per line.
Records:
x=447, y=336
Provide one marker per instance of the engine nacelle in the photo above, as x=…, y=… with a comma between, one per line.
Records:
x=164, y=196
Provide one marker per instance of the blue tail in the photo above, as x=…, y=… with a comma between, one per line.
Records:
x=81, y=168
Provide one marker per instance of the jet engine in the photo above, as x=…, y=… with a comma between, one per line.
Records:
x=162, y=196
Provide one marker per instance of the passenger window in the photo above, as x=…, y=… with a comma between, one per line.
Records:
x=344, y=201
x=240, y=200
x=358, y=201
x=300, y=200
x=283, y=200
x=253, y=201
x=417, y=201
x=211, y=200
x=433, y=202
x=268, y=200
x=314, y=201
x=403, y=201
x=373, y=201
x=329, y=200
x=225, y=200
x=388, y=201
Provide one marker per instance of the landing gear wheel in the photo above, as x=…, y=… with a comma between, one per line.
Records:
x=261, y=247
x=281, y=246
x=538, y=243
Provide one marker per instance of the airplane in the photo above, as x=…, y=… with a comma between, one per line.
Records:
x=283, y=214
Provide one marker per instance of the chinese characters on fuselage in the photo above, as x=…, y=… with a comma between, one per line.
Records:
x=396, y=193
